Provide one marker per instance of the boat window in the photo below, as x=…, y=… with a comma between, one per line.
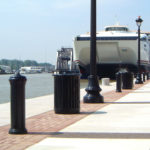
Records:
x=116, y=29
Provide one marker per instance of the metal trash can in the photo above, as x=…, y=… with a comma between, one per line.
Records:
x=67, y=93
x=66, y=84
x=127, y=80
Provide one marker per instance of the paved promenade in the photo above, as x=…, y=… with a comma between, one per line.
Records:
x=38, y=105
x=121, y=123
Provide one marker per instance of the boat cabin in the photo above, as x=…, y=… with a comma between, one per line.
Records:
x=116, y=28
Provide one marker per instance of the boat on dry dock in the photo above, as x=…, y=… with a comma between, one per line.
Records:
x=117, y=47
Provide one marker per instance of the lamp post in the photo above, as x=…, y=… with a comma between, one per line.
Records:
x=138, y=77
x=93, y=89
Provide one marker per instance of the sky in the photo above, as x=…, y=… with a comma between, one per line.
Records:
x=36, y=29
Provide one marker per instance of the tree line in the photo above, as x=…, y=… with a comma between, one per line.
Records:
x=16, y=64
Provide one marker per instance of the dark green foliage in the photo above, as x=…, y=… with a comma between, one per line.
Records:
x=2, y=71
x=16, y=64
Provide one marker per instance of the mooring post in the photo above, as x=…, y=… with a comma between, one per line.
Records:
x=17, y=83
x=118, y=82
x=143, y=76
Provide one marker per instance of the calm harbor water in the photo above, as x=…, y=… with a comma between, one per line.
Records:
x=36, y=85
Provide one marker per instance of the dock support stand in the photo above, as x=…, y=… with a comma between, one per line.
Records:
x=17, y=83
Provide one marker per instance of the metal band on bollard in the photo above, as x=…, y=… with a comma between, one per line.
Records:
x=17, y=83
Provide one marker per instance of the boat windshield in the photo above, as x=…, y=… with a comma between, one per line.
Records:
x=116, y=29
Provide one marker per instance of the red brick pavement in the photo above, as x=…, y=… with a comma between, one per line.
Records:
x=46, y=124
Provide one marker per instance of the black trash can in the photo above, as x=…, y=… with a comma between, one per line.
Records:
x=127, y=80
x=67, y=93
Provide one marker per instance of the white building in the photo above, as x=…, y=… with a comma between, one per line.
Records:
x=6, y=69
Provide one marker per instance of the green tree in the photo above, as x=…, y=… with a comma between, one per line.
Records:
x=16, y=64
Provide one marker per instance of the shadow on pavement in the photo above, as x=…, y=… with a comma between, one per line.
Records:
x=94, y=135
x=97, y=112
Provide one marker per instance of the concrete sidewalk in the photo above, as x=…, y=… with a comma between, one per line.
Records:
x=122, y=125
x=38, y=105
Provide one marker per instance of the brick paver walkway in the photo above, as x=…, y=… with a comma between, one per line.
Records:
x=47, y=124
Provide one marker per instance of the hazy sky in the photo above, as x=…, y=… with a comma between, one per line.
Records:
x=36, y=29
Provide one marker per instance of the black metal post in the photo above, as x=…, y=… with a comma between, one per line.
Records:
x=147, y=74
x=143, y=76
x=17, y=83
x=138, y=77
x=118, y=82
x=93, y=89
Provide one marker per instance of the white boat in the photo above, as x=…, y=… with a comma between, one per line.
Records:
x=117, y=47
x=31, y=70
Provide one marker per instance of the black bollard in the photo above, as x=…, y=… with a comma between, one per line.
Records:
x=118, y=81
x=17, y=83
x=147, y=75
x=143, y=76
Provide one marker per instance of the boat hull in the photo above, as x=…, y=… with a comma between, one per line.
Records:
x=112, y=55
x=109, y=70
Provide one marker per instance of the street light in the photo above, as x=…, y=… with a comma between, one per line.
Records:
x=138, y=77
x=93, y=89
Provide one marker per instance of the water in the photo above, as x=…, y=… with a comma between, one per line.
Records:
x=4, y=88
x=36, y=85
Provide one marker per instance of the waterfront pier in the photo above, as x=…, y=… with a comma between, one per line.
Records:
x=122, y=122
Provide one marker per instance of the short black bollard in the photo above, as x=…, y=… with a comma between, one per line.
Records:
x=118, y=81
x=147, y=75
x=143, y=76
x=67, y=93
x=127, y=80
x=17, y=83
